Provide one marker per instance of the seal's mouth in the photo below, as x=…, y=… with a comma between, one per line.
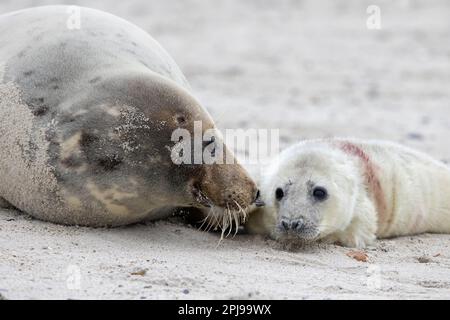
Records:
x=297, y=229
x=227, y=218
x=296, y=238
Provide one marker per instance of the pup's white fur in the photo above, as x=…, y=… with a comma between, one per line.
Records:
x=375, y=189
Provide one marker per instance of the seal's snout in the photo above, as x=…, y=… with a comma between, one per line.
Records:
x=295, y=225
x=226, y=186
x=299, y=227
x=258, y=201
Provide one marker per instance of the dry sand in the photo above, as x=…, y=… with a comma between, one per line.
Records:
x=309, y=68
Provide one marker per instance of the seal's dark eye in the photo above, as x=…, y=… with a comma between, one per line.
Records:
x=181, y=119
x=207, y=143
x=320, y=193
x=279, y=194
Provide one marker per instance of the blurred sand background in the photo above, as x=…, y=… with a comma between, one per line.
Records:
x=309, y=68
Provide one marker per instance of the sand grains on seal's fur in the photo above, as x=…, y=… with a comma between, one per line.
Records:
x=21, y=160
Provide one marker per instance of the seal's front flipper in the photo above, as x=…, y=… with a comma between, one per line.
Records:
x=5, y=204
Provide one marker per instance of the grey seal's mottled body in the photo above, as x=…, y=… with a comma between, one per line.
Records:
x=86, y=117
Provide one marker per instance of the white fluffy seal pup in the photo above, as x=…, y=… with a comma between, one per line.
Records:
x=351, y=192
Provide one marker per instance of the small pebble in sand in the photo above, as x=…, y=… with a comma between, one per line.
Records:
x=186, y=291
x=415, y=136
x=140, y=272
x=423, y=259
x=358, y=255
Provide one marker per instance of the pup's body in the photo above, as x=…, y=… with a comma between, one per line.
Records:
x=351, y=191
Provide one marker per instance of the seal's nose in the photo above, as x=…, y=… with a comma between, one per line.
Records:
x=258, y=201
x=287, y=224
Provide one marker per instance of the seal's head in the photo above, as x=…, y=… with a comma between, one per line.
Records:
x=117, y=146
x=310, y=193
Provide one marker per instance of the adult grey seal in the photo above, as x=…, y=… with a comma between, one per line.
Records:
x=87, y=110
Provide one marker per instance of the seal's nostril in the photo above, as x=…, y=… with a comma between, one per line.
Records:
x=258, y=201
x=285, y=225
x=294, y=225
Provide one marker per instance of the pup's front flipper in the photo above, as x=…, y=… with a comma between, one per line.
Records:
x=360, y=234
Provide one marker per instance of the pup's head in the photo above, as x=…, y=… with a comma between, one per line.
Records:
x=311, y=192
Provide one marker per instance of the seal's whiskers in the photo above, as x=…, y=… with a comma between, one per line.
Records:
x=205, y=220
x=230, y=220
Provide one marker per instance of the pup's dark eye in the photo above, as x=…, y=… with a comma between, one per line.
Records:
x=320, y=193
x=279, y=194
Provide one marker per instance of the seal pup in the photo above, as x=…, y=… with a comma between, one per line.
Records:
x=350, y=192
x=86, y=118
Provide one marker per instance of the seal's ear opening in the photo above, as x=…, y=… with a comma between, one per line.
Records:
x=258, y=201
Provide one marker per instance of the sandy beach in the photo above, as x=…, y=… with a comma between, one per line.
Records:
x=308, y=68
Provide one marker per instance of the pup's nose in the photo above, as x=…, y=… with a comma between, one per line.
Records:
x=287, y=224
